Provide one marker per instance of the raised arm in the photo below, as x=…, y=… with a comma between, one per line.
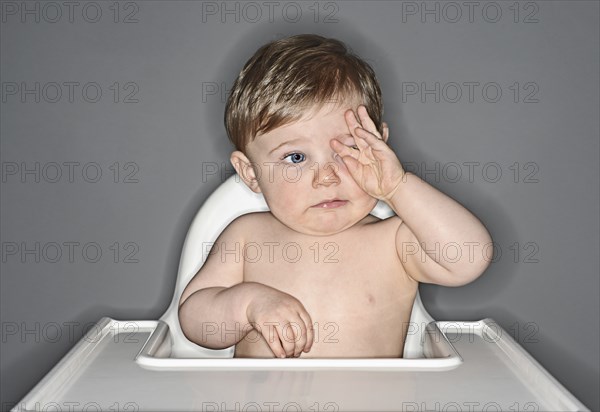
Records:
x=439, y=241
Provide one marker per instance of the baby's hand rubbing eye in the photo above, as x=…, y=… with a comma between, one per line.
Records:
x=350, y=143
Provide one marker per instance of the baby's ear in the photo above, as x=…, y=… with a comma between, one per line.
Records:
x=245, y=169
x=386, y=132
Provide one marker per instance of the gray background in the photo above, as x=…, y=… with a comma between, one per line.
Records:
x=543, y=287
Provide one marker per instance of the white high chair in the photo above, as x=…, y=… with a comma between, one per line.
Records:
x=150, y=365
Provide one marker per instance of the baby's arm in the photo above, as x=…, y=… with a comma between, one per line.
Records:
x=217, y=302
x=439, y=241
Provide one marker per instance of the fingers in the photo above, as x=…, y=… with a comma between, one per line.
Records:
x=366, y=135
x=348, y=155
x=299, y=338
x=353, y=125
x=282, y=321
x=285, y=340
x=353, y=166
x=386, y=132
x=363, y=122
x=359, y=141
x=310, y=331
x=351, y=120
x=289, y=338
x=274, y=340
x=366, y=121
x=342, y=150
x=370, y=140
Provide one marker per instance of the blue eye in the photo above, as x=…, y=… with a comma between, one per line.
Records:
x=296, y=157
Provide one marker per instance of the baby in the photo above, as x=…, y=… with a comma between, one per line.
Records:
x=318, y=275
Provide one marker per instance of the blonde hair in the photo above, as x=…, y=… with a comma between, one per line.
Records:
x=288, y=77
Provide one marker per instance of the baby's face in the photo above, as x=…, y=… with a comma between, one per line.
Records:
x=297, y=170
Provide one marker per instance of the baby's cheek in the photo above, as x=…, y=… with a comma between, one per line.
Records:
x=286, y=189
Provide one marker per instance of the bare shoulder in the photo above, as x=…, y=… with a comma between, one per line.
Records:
x=223, y=266
x=380, y=236
x=250, y=222
x=391, y=226
x=254, y=217
x=381, y=232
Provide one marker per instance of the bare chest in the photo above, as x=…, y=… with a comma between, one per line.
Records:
x=336, y=279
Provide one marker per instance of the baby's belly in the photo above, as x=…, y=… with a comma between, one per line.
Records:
x=366, y=324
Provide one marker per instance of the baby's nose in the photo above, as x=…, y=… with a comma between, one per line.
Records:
x=326, y=174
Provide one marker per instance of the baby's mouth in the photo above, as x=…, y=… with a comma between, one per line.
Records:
x=330, y=203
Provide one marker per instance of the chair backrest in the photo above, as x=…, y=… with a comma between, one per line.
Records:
x=230, y=200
